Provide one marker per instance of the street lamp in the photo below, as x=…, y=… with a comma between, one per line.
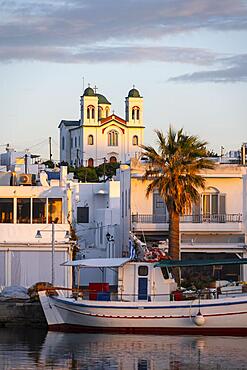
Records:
x=39, y=236
x=110, y=239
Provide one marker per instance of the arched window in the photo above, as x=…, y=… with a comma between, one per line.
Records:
x=107, y=112
x=113, y=159
x=90, y=112
x=100, y=112
x=90, y=162
x=113, y=138
x=63, y=143
x=90, y=140
x=135, y=113
x=135, y=140
x=211, y=207
x=138, y=114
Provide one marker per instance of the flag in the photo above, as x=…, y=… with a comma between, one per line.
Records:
x=132, y=251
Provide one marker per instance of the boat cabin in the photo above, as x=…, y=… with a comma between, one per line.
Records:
x=141, y=281
x=136, y=281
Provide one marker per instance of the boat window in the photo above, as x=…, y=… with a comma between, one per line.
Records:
x=165, y=272
x=143, y=271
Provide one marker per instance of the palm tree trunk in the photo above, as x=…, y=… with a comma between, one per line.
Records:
x=174, y=246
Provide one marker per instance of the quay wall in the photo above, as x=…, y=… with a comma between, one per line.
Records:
x=16, y=313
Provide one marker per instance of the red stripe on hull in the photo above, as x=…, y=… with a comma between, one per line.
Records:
x=154, y=331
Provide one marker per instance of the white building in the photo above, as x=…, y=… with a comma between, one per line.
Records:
x=25, y=210
x=217, y=224
x=100, y=135
x=20, y=162
x=96, y=218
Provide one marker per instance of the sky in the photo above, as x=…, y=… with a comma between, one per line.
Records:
x=188, y=59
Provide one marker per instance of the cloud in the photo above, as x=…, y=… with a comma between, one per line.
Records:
x=234, y=69
x=76, y=31
x=75, y=23
x=101, y=54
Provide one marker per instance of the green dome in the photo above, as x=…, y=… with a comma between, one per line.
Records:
x=89, y=92
x=134, y=93
x=102, y=99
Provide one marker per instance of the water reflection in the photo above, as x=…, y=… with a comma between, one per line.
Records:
x=35, y=349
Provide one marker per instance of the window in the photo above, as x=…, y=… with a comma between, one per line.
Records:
x=55, y=210
x=160, y=213
x=213, y=205
x=90, y=112
x=75, y=142
x=135, y=140
x=63, y=143
x=90, y=162
x=122, y=204
x=23, y=210
x=100, y=112
x=82, y=215
x=6, y=210
x=126, y=202
x=90, y=140
x=39, y=210
x=71, y=140
x=101, y=233
x=213, y=202
x=113, y=159
x=79, y=140
x=135, y=113
x=113, y=138
x=107, y=112
x=143, y=271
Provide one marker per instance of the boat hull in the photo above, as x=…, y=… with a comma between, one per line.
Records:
x=72, y=328
x=220, y=317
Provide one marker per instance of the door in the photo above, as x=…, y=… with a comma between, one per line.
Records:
x=142, y=288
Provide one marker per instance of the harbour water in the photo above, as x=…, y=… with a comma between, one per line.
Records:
x=37, y=349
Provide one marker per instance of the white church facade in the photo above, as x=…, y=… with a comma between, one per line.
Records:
x=101, y=136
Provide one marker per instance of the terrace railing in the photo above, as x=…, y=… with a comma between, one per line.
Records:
x=202, y=218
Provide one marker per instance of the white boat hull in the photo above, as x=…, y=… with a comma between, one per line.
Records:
x=220, y=316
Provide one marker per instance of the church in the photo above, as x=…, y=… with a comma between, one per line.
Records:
x=100, y=135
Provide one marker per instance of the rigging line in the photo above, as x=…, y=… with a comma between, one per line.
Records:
x=95, y=227
x=41, y=142
x=142, y=231
x=54, y=142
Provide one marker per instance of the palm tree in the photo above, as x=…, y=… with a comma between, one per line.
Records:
x=175, y=172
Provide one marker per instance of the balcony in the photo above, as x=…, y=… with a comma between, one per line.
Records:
x=203, y=222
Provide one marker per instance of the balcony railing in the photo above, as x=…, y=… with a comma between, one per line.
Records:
x=199, y=219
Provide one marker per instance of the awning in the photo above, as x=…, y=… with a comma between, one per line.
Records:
x=97, y=262
x=190, y=263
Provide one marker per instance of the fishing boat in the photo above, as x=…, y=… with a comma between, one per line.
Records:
x=146, y=301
